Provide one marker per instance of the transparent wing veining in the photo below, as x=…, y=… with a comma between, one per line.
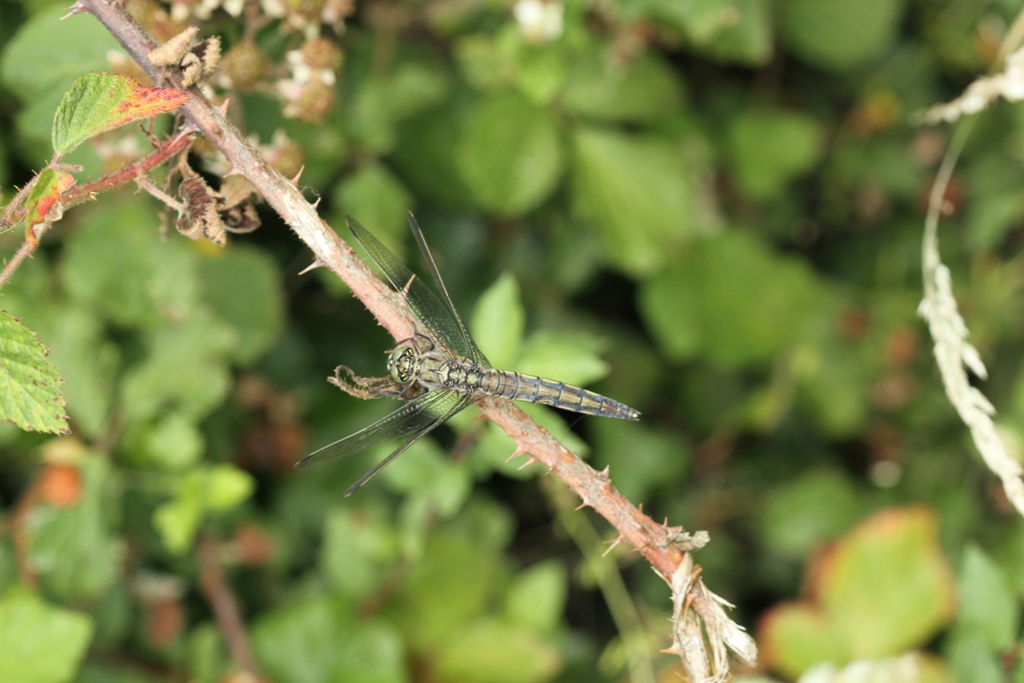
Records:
x=428, y=259
x=416, y=417
x=433, y=314
x=455, y=406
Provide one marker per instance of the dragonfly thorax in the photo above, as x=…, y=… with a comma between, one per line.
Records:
x=440, y=370
x=401, y=364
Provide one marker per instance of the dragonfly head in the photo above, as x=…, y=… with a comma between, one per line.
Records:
x=400, y=364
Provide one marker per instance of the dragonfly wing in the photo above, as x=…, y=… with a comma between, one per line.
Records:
x=421, y=242
x=433, y=314
x=455, y=407
x=415, y=418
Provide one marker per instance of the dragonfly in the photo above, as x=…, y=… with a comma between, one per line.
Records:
x=439, y=370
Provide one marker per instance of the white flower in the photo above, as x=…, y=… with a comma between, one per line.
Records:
x=539, y=22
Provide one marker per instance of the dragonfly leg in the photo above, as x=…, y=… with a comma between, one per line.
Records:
x=411, y=390
x=418, y=342
x=408, y=341
x=428, y=343
x=366, y=387
x=418, y=347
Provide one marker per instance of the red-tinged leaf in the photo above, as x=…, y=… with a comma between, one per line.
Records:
x=99, y=102
x=45, y=193
x=147, y=102
x=882, y=589
x=886, y=583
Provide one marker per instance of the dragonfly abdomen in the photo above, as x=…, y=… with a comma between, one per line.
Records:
x=519, y=386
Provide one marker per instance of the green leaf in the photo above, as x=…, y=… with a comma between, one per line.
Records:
x=771, y=148
x=834, y=386
x=424, y=471
x=30, y=395
x=730, y=299
x=642, y=458
x=970, y=659
x=30, y=295
x=498, y=321
x=416, y=85
x=113, y=615
x=356, y=551
x=492, y=652
x=185, y=367
x=425, y=155
x=643, y=91
x=375, y=197
x=805, y=513
x=637, y=191
x=882, y=589
x=172, y=442
x=487, y=62
x=316, y=640
x=748, y=39
x=74, y=549
x=379, y=103
x=202, y=491
x=729, y=30
x=177, y=522
x=563, y=356
x=451, y=585
x=207, y=653
x=886, y=584
x=988, y=607
x=243, y=285
x=491, y=63
x=991, y=218
x=672, y=315
x=541, y=72
x=702, y=22
x=839, y=34
x=89, y=361
x=44, y=194
x=32, y=67
x=117, y=263
x=794, y=636
x=510, y=154
x=100, y=102
x=40, y=643
x=537, y=596
x=227, y=487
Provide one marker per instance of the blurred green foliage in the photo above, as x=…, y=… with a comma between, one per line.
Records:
x=711, y=211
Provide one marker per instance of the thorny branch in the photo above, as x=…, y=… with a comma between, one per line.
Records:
x=15, y=210
x=658, y=543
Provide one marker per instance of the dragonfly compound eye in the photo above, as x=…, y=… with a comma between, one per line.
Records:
x=400, y=364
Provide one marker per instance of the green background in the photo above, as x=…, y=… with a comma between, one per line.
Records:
x=710, y=211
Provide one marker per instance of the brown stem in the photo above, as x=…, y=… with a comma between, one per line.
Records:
x=23, y=538
x=655, y=541
x=80, y=194
x=225, y=607
x=26, y=249
x=666, y=548
x=14, y=211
